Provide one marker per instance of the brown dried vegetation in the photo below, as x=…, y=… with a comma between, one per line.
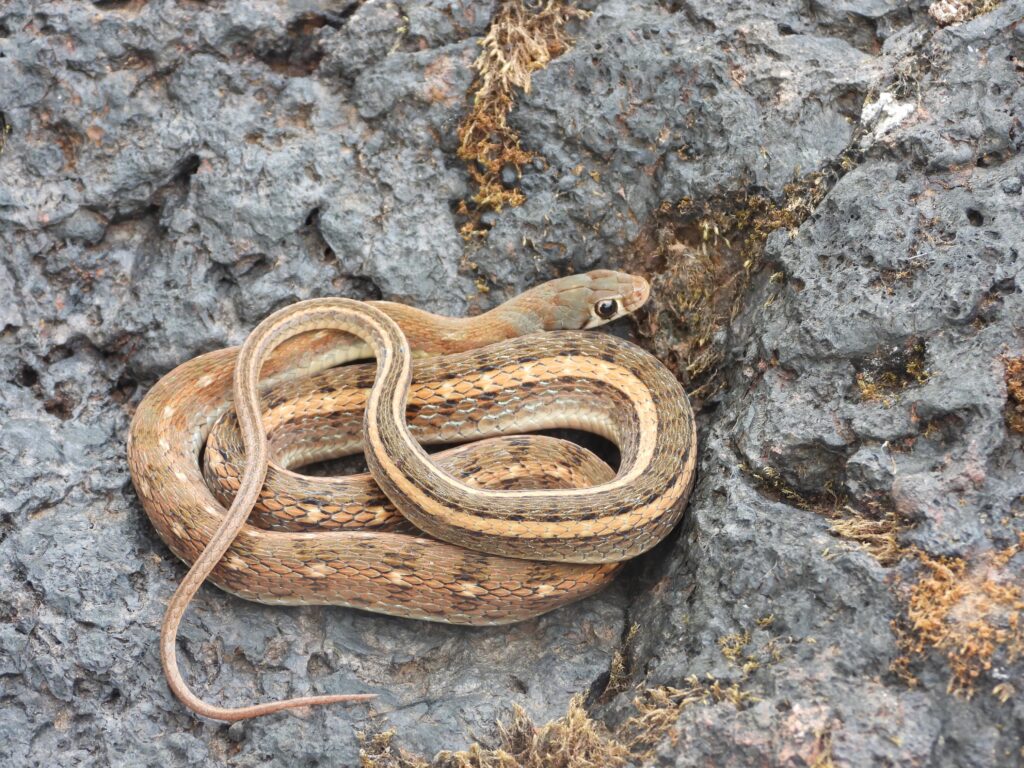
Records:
x=872, y=525
x=1014, y=376
x=5, y=132
x=573, y=741
x=702, y=256
x=620, y=669
x=876, y=531
x=884, y=376
x=969, y=611
x=946, y=12
x=520, y=41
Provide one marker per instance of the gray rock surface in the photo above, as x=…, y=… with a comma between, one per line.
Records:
x=172, y=172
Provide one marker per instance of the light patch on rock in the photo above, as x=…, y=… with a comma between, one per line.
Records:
x=884, y=114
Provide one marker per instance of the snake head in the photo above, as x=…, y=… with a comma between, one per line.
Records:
x=591, y=299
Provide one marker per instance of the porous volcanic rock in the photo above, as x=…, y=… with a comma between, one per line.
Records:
x=172, y=172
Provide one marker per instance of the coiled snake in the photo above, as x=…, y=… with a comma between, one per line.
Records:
x=520, y=524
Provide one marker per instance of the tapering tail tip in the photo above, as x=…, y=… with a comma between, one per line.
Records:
x=234, y=714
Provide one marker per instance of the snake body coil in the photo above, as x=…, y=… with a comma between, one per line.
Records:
x=525, y=523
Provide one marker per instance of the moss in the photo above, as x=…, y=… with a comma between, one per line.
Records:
x=876, y=533
x=701, y=256
x=520, y=41
x=870, y=523
x=882, y=377
x=888, y=279
x=620, y=669
x=732, y=646
x=823, y=750
x=946, y=12
x=1013, y=373
x=658, y=710
x=379, y=751
x=971, y=612
x=771, y=481
x=573, y=741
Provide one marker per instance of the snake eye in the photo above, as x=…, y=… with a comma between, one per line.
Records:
x=606, y=308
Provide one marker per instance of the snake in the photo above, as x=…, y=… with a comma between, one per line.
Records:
x=485, y=533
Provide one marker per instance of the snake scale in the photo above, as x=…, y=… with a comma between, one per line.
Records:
x=488, y=532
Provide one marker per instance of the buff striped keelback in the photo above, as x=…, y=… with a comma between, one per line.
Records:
x=518, y=525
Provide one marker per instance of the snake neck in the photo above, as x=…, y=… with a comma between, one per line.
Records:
x=437, y=334
x=569, y=303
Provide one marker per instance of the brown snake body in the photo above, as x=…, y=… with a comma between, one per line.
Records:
x=527, y=523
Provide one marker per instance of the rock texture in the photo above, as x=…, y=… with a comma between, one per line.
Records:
x=172, y=172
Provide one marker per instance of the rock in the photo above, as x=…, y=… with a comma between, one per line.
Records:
x=176, y=172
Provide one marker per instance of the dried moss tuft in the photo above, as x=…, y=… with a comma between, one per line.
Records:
x=573, y=741
x=659, y=708
x=732, y=646
x=823, y=750
x=701, y=256
x=1013, y=373
x=884, y=376
x=379, y=751
x=877, y=532
x=972, y=612
x=521, y=40
x=946, y=12
x=870, y=523
x=772, y=483
x=621, y=668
